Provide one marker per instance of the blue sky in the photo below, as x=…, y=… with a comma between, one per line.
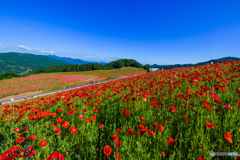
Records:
x=153, y=32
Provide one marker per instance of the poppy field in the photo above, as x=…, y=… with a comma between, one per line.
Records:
x=54, y=81
x=173, y=114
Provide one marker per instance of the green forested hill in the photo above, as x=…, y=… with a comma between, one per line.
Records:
x=23, y=62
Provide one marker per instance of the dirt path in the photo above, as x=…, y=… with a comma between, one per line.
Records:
x=21, y=95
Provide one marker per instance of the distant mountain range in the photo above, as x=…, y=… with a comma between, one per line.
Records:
x=224, y=59
x=73, y=61
x=21, y=63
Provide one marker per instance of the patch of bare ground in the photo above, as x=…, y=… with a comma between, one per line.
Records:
x=20, y=95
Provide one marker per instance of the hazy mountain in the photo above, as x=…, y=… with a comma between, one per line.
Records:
x=73, y=61
x=24, y=62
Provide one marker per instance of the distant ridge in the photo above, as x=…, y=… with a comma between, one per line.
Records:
x=224, y=59
x=74, y=61
x=21, y=63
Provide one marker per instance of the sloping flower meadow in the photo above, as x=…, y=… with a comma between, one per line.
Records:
x=37, y=82
x=173, y=114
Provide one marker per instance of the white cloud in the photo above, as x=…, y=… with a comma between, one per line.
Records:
x=24, y=47
x=2, y=46
x=35, y=50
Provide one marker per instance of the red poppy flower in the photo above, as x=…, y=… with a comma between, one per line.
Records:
x=185, y=118
x=118, y=130
x=56, y=156
x=154, y=123
x=32, y=137
x=170, y=141
x=32, y=117
x=163, y=154
x=71, y=112
x=101, y=125
x=130, y=131
x=107, y=150
x=93, y=118
x=59, y=109
x=17, y=129
x=53, y=114
x=172, y=109
x=160, y=128
x=200, y=158
x=142, y=119
x=27, y=152
x=20, y=139
x=74, y=129
x=118, y=143
x=95, y=110
x=88, y=120
x=117, y=155
x=65, y=124
x=10, y=154
x=57, y=130
x=85, y=110
x=114, y=136
x=228, y=137
x=210, y=125
x=59, y=120
x=43, y=143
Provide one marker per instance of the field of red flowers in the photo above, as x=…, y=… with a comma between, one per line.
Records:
x=173, y=114
x=58, y=80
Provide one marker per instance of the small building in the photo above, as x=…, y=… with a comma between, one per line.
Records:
x=153, y=69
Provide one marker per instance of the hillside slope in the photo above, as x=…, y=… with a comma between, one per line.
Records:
x=23, y=62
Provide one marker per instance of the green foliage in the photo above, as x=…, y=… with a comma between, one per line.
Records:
x=124, y=63
x=22, y=62
x=8, y=75
x=147, y=67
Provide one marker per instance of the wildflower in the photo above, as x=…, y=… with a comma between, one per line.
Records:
x=228, y=137
x=117, y=155
x=17, y=129
x=118, y=130
x=114, y=136
x=27, y=152
x=209, y=124
x=10, y=154
x=107, y=150
x=32, y=137
x=88, y=120
x=20, y=139
x=130, y=131
x=43, y=143
x=74, y=129
x=80, y=116
x=57, y=130
x=93, y=118
x=118, y=143
x=101, y=125
x=185, y=118
x=160, y=128
x=65, y=124
x=56, y=156
x=170, y=141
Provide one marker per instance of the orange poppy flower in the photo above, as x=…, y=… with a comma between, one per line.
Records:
x=228, y=137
